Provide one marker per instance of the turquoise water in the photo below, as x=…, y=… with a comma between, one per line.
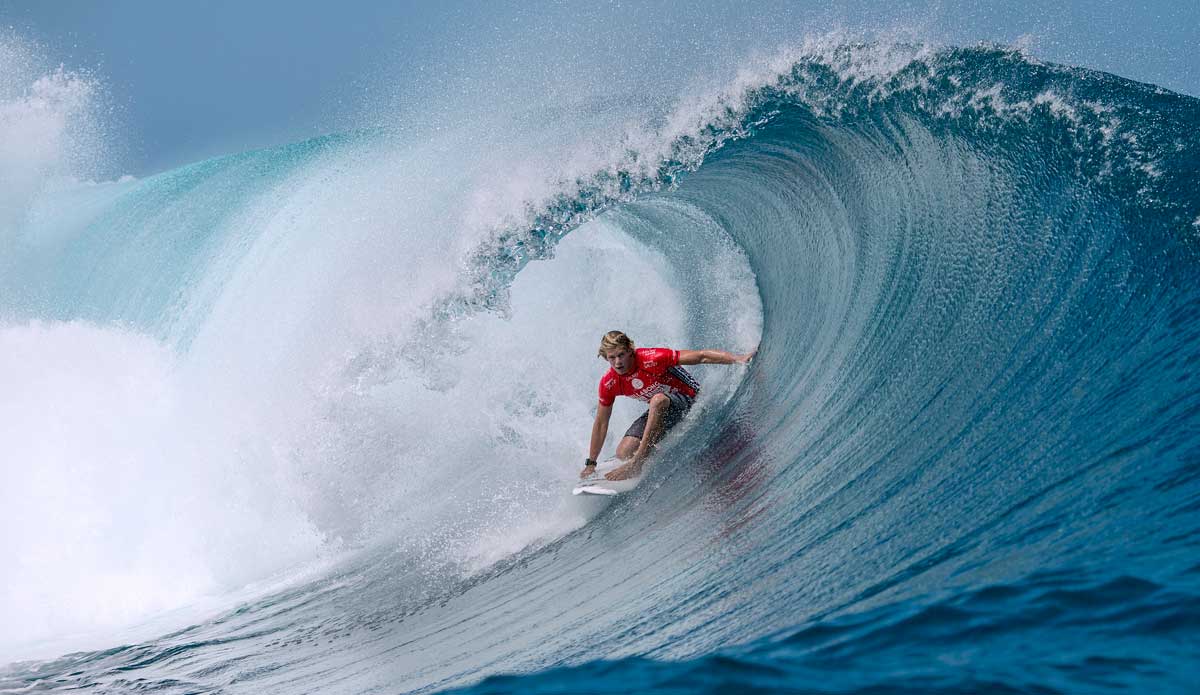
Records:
x=965, y=459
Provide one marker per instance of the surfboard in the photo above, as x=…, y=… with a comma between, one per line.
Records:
x=597, y=484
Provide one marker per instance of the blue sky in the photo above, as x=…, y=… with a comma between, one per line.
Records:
x=191, y=80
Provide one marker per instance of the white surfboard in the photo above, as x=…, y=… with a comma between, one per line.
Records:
x=597, y=484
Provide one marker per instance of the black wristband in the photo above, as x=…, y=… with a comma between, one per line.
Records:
x=589, y=462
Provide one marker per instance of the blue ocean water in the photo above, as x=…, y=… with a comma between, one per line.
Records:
x=966, y=459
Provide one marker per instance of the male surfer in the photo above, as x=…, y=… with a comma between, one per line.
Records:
x=652, y=375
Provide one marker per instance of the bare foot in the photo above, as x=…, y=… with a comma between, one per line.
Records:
x=629, y=470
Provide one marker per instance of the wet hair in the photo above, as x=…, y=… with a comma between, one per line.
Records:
x=613, y=340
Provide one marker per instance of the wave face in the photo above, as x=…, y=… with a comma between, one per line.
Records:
x=965, y=459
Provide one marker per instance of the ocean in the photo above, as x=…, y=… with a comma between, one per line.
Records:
x=305, y=419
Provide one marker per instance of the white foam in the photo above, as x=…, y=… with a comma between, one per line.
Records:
x=119, y=508
x=50, y=128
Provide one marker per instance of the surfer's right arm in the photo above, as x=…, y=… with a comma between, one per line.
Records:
x=599, y=432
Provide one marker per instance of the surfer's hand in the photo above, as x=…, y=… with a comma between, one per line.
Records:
x=744, y=359
x=587, y=470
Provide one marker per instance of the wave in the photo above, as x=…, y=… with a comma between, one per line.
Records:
x=967, y=443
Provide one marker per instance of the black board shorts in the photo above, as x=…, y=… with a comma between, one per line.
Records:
x=680, y=405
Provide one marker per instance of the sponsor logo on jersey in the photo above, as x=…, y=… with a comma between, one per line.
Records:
x=636, y=383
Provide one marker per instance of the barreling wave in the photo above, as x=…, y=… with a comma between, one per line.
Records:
x=973, y=94
x=965, y=458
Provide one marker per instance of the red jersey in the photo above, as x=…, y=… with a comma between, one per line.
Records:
x=655, y=370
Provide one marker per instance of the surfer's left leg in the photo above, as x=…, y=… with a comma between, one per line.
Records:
x=659, y=406
x=628, y=446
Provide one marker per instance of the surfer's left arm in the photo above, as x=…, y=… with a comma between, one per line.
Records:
x=690, y=357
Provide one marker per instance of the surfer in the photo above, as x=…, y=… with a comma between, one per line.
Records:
x=652, y=375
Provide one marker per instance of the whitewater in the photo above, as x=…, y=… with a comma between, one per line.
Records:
x=305, y=418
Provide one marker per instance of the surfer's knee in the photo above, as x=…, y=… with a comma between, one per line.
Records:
x=659, y=402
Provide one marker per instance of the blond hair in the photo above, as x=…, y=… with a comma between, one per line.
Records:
x=613, y=340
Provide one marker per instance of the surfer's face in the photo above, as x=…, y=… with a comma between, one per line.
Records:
x=621, y=360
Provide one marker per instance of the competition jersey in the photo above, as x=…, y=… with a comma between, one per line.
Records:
x=657, y=370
